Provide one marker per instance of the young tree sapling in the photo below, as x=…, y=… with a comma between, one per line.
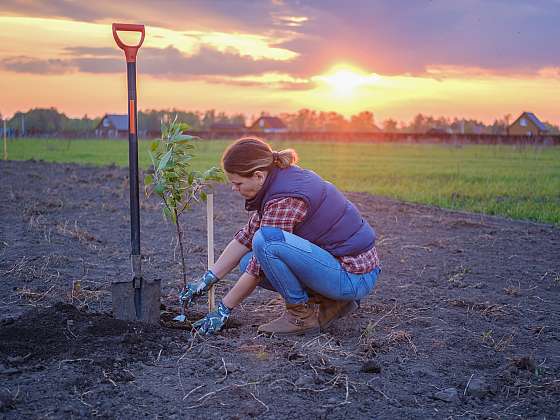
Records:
x=173, y=180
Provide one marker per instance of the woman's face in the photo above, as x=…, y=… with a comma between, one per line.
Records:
x=247, y=187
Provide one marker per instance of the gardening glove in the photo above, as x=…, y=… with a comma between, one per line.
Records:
x=214, y=321
x=197, y=288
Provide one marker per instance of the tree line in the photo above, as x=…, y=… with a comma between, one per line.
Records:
x=51, y=121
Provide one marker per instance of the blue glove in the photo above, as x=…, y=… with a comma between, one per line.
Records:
x=214, y=321
x=197, y=288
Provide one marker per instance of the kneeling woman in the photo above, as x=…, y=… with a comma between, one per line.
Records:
x=305, y=241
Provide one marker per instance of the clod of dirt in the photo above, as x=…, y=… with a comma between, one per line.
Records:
x=447, y=395
x=371, y=366
x=525, y=362
x=304, y=381
x=7, y=400
x=477, y=388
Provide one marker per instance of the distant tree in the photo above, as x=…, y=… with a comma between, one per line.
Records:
x=303, y=120
x=390, y=125
x=208, y=119
x=364, y=121
x=238, y=119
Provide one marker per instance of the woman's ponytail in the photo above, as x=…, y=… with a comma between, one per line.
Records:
x=250, y=154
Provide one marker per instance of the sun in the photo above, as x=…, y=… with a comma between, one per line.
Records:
x=345, y=80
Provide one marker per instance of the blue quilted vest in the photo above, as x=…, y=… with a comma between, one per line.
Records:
x=332, y=221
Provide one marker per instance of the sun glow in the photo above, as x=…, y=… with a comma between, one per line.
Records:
x=345, y=80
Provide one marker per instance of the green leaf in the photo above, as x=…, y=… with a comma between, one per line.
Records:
x=184, y=138
x=184, y=126
x=165, y=160
x=203, y=196
x=167, y=213
x=149, y=179
x=153, y=158
x=154, y=146
x=160, y=188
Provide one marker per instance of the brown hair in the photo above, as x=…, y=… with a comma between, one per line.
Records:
x=250, y=154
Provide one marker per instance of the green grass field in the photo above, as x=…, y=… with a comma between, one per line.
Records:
x=517, y=182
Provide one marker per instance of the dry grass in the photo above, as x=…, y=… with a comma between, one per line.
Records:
x=72, y=230
x=42, y=268
x=80, y=296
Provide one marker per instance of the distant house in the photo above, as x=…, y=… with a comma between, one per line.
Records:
x=112, y=125
x=527, y=124
x=269, y=125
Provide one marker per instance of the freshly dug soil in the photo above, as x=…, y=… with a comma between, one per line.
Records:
x=464, y=321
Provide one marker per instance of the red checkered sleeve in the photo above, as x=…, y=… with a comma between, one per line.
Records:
x=283, y=213
x=246, y=233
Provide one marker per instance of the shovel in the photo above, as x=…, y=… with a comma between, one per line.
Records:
x=137, y=298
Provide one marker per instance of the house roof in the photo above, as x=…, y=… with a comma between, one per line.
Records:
x=533, y=119
x=120, y=122
x=536, y=121
x=271, y=122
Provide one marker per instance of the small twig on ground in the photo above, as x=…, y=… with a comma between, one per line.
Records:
x=259, y=401
x=193, y=390
x=467, y=386
x=383, y=317
x=206, y=396
x=425, y=248
x=106, y=375
x=226, y=373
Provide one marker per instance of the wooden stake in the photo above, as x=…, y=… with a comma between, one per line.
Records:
x=210, y=236
x=5, y=142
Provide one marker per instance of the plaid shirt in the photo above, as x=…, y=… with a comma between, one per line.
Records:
x=286, y=213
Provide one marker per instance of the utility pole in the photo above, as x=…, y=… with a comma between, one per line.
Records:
x=22, y=125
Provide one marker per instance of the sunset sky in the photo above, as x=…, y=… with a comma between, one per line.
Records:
x=396, y=58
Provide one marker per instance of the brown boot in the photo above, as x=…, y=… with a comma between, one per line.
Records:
x=297, y=319
x=330, y=310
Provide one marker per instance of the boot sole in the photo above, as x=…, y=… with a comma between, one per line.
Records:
x=347, y=310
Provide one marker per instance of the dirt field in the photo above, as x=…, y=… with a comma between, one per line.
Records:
x=464, y=321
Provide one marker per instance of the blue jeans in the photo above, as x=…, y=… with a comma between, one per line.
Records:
x=293, y=266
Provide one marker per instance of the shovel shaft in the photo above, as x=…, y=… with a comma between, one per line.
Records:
x=133, y=160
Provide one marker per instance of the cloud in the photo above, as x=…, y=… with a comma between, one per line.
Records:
x=24, y=64
x=406, y=37
x=278, y=81
x=163, y=63
x=230, y=15
x=389, y=37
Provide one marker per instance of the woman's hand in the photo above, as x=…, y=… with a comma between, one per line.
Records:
x=214, y=321
x=197, y=288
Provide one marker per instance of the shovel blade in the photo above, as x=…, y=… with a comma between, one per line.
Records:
x=146, y=306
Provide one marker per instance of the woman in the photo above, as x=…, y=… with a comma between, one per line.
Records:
x=305, y=240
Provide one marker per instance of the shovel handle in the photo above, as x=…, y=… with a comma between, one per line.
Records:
x=130, y=51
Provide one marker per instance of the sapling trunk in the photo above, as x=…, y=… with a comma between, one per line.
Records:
x=180, y=240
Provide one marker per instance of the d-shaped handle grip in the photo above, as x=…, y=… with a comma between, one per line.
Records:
x=130, y=51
